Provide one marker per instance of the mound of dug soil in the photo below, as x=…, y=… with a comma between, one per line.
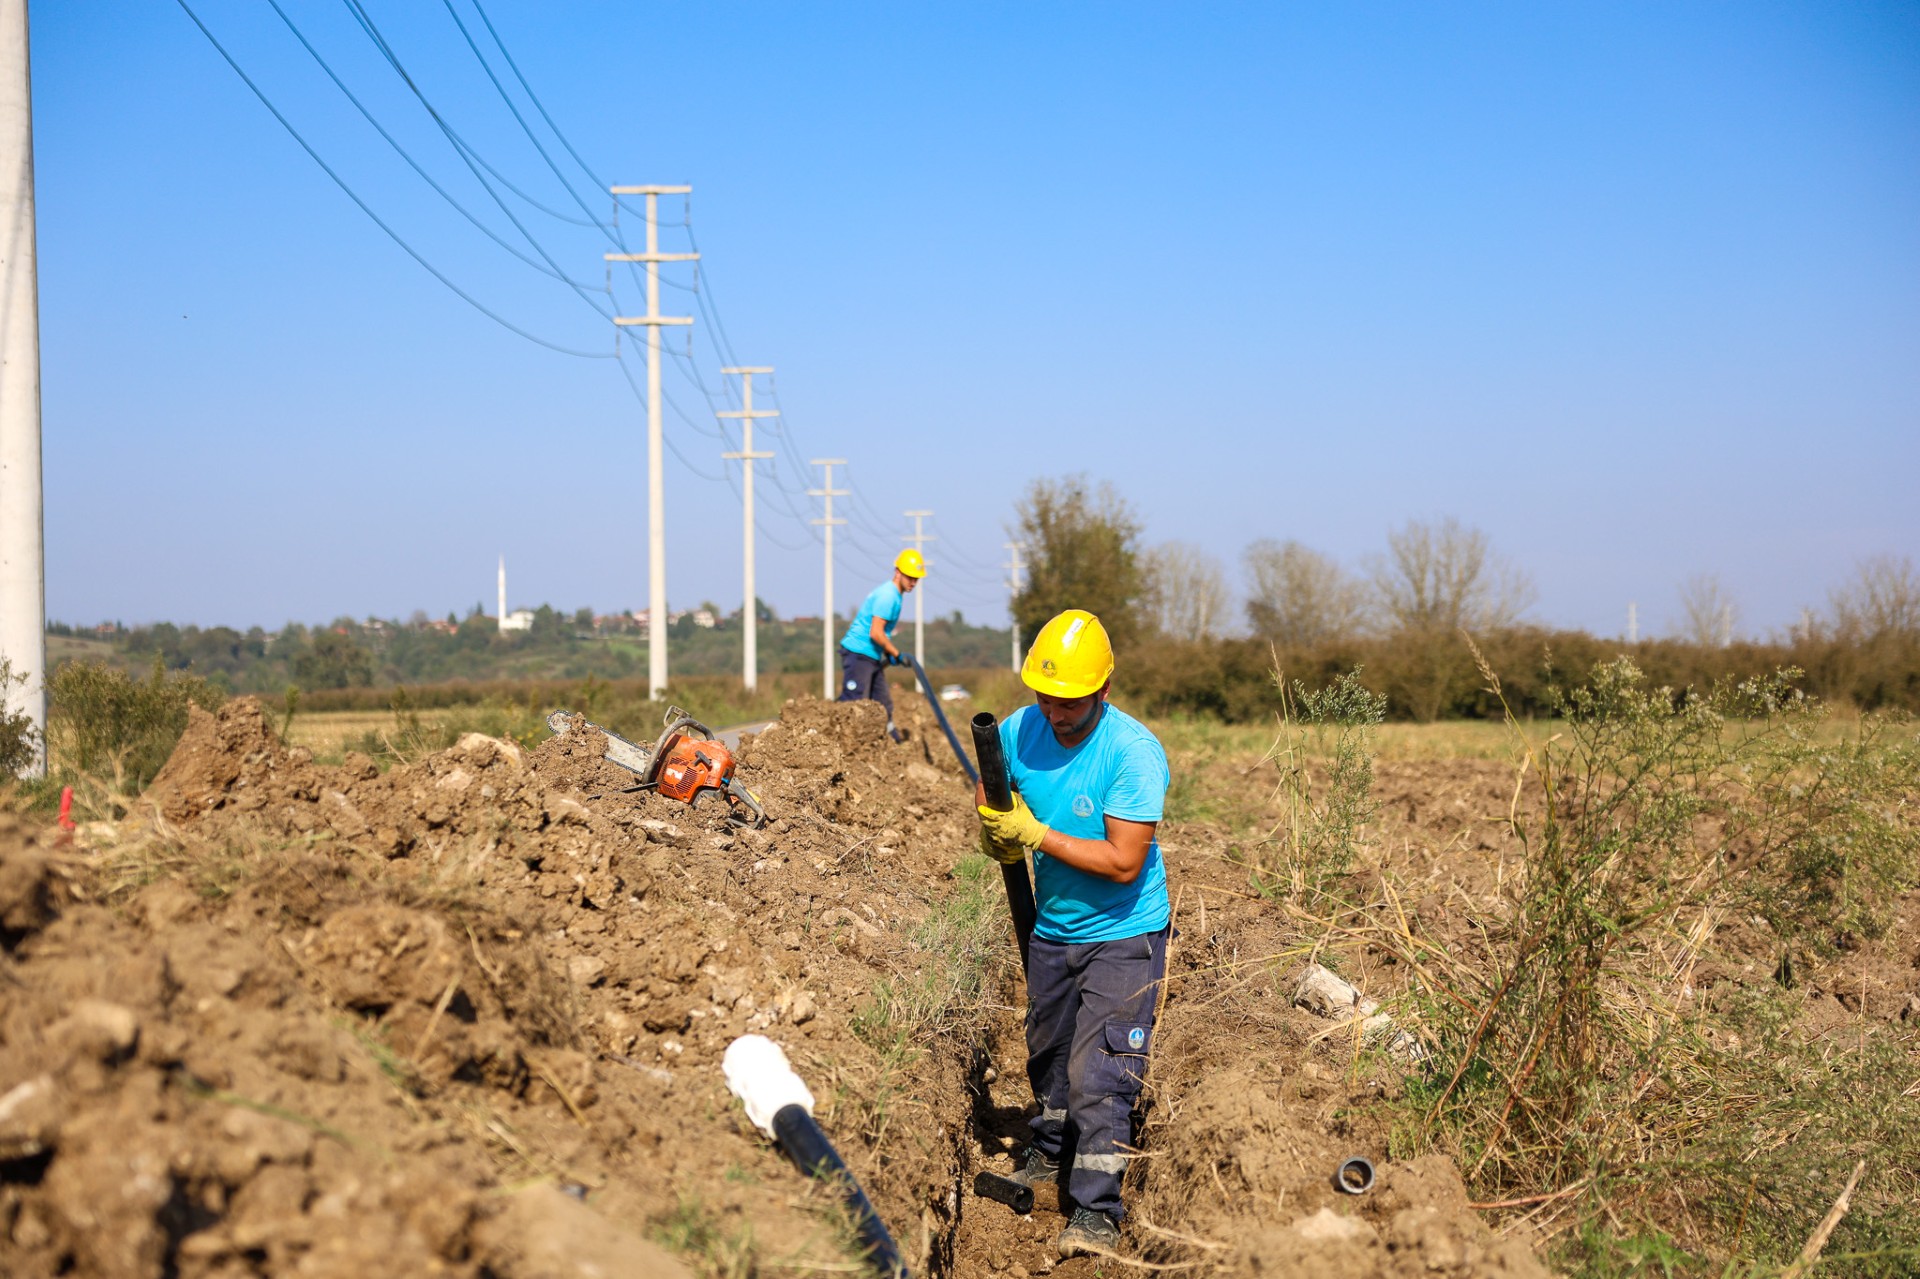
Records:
x=465, y=1017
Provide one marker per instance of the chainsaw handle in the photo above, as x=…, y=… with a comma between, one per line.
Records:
x=737, y=793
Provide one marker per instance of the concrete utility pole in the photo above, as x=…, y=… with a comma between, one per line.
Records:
x=503, y=595
x=1633, y=622
x=1013, y=588
x=23, y=572
x=656, y=462
x=829, y=492
x=920, y=539
x=750, y=610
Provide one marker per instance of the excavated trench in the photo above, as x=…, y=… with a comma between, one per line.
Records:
x=466, y=1017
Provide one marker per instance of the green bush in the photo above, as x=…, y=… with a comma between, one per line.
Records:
x=106, y=726
x=20, y=737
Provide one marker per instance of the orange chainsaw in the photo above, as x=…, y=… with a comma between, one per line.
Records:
x=685, y=760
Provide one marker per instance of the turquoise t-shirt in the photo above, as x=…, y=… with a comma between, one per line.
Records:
x=883, y=602
x=1120, y=769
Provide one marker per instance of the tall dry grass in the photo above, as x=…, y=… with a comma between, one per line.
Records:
x=1572, y=1060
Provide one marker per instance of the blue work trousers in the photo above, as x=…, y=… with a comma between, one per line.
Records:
x=1089, y=1030
x=863, y=679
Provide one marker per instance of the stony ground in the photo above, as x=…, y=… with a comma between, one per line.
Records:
x=466, y=1016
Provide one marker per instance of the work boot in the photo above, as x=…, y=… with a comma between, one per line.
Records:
x=1038, y=1170
x=1088, y=1233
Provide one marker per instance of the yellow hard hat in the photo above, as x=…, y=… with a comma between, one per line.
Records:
x=1070, y=657
x=911, y=562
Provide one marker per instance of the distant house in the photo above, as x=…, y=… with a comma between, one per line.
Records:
x=704, y=618
x=521, y=619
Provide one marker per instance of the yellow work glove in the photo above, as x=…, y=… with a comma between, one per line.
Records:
x=1005, y=854
x=1017, y=826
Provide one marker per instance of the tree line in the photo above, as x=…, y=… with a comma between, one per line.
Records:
x=1410, y=619
x=377, y=653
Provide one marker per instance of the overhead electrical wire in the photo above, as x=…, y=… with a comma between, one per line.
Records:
x=365, y=20
x=367, y=209
x=552, y=269
x=534, y=98
x=518, y=118
x=611, y=232
x=852, y=541
x=412, y=163
x=862, y=511
x=668, y=439
x=468, y=156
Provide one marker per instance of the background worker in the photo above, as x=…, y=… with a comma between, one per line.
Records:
x=868, y=649
x=1091, y=785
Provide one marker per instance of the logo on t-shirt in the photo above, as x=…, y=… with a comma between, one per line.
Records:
x=1082, y=806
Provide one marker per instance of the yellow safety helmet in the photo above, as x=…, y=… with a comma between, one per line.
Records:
x=911, y=562
x=1070, y=657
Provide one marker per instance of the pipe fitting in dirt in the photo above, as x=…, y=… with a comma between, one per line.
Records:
x=1354, y=1177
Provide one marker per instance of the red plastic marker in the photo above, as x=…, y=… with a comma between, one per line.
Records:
x=66, y=808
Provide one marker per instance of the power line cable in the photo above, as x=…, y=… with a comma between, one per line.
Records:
x=534, y=98
x=367, y=209
x=412, y=163
x=367, y=25
x=641, y=396
x=518, y=118
x=470, y=157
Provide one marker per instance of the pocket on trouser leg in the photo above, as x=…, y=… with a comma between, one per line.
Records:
x=1123, y=1066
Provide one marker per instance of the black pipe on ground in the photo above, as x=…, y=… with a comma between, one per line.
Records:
x=991, y=1185
x=781, y=1106
x=815, y=1156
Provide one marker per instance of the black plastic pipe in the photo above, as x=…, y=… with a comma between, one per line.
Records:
x=991, y=1185
x=815, y=1156
x=933, y=700
x=993, y=762
x=999, y=788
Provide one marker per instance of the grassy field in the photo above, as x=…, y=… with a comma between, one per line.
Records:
x=329, y=734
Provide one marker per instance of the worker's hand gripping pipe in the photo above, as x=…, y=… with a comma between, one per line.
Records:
x=781, y=1106
x=999, y=789
x=933, y=700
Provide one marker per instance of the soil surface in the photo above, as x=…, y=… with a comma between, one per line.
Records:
x=465, y=1017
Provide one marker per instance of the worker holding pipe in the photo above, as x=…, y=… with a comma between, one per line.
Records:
x=1091, y=786
x=867, y=649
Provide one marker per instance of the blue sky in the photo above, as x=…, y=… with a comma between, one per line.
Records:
x=1634, y=288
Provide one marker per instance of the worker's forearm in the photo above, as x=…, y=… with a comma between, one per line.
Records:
x=1098, y=857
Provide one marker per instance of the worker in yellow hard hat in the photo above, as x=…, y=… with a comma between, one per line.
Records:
x=867, y=649
x=1090, y=787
